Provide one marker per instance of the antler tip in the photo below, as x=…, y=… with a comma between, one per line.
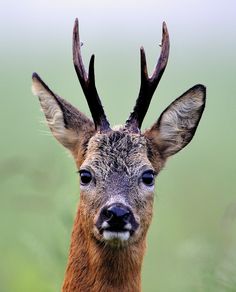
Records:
x=91, y=63
x=143, y=57
x=141, y=49
x=164, y=28
x=91, y=69
x=76, y=26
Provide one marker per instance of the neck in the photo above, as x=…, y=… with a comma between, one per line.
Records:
x=94, y=267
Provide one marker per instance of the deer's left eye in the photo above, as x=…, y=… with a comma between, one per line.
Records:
x=85, y=177
x=148, y=178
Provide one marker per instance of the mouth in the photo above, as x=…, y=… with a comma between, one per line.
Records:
x=112, y=234
x=121, y=236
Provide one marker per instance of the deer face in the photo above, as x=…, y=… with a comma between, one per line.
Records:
x=118, y=167
x=117, y=186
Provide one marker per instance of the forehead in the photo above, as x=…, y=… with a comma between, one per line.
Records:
x=117, y=151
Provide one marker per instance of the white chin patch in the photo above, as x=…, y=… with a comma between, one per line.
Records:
x=116, y=236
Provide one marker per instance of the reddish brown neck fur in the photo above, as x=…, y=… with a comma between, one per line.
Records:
x=94, y=267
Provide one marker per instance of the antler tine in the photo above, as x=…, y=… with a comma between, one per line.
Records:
x=87, y=82
x=148, y=84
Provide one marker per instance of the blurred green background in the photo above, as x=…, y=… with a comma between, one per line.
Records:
x=192, y=240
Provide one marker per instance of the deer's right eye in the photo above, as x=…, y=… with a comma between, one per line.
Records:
x=85, y=177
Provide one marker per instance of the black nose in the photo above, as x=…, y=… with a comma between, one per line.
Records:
x=117, y=216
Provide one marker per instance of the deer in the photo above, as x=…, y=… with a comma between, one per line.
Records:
x=118, y=167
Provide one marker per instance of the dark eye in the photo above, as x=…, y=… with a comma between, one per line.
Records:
x=148, y=177
x=85, y=177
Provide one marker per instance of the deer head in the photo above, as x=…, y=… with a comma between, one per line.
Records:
x=118, y=167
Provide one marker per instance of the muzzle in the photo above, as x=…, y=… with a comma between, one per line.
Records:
x=116, y=222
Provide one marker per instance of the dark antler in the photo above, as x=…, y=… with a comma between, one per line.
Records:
x=87, y=82
x=148, y=84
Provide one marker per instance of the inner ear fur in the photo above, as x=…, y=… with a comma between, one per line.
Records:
x=178, y=123
x=68, y=125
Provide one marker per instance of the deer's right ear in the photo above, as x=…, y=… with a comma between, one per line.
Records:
x=68, y=125
x=177, y=124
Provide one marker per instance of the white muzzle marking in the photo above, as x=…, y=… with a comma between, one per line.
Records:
x=117, y=236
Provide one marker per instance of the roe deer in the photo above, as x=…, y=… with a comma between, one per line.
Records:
x=117, y=169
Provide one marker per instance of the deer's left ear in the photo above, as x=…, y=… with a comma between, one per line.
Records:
x=68, y=125
x=177, y=124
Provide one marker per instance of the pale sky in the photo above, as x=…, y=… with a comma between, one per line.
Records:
x=122, y=18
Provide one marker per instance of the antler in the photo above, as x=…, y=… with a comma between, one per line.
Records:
x=87, y=82
x=148, y=84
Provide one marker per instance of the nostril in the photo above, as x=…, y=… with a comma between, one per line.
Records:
x=126, y=216
x=108, y=214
